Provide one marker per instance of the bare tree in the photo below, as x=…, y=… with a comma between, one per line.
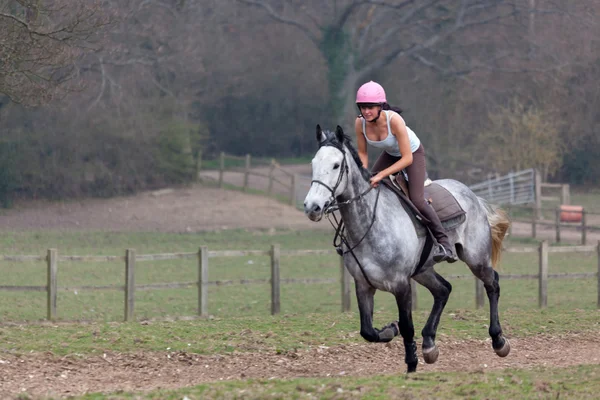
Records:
x=39, y=43
x=357, y=38
x=523, y=137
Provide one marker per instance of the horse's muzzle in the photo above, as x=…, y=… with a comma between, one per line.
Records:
x=314, y=212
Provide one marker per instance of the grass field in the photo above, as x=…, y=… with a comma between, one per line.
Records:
x=310, y=315
x=544, y=383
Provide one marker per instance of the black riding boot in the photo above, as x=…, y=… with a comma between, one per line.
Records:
x=444, y=251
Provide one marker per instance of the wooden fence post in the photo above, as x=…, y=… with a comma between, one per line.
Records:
x=221, y=168
x=583, y=228
x=129, y=284
x=346, y=284
x=198, y=166
x=538, y=195
x=51, y=289
x=293, y=190
x=271, y=169
x=533, y=222
x=565, y=194
x=598, y=252
x=246, y=172
x=203, y=281
x=557, y=218
x=275, y=283
x=479, y=294
x=543, y=275
x=511, y=181
x=413, y=294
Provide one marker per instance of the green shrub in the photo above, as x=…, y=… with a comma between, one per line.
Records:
x=178, y=150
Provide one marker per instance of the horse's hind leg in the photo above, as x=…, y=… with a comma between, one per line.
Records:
x=490, y=279
x=440, y=290
x=407, y=329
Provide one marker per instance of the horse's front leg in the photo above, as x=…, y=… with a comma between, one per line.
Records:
x=407, y=329
x=365, y=297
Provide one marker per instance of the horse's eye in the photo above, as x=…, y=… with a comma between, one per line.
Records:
x=336, y=166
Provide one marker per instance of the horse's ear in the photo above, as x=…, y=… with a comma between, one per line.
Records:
x=339, y=133
x=319, y=133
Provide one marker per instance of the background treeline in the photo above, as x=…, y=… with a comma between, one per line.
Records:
x=105, y=97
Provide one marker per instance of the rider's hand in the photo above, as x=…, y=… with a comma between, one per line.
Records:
x=375, y=180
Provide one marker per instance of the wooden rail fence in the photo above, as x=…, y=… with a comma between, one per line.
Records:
x=203, y=255
x=583, y=227
x=275, y=175
x=564, y=198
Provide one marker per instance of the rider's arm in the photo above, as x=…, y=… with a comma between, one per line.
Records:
x=361, y=143
x=399, y=130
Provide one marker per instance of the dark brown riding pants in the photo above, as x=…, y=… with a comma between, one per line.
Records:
x=416, y=178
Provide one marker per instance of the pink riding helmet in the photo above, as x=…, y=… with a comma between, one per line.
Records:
x=371, y=92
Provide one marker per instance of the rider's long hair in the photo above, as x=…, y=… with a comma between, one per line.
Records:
x=386, y=106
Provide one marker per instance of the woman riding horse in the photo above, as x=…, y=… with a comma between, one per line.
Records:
x=383, y=247
x=381, y=126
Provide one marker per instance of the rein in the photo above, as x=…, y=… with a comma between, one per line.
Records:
x=339, y=225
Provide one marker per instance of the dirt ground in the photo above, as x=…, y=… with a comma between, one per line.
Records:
x=201, y=208
x=189, y=209
x=44, y=374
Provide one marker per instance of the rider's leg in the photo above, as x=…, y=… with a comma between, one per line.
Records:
x=382, y=162
x=416, y=183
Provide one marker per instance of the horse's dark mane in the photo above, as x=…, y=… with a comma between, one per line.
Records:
x=332, y=140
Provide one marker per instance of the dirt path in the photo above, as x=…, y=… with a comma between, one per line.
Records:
x=48, y=375
x=189, y=209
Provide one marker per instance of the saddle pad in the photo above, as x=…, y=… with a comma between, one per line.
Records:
x=445, y=205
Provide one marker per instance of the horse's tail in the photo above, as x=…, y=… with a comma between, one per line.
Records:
x=499, y=224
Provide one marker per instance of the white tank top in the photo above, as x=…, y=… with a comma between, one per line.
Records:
x=390, y=143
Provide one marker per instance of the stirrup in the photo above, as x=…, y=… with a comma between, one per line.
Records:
x=447, y=255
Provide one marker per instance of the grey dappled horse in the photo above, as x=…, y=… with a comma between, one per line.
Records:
x=382, y=248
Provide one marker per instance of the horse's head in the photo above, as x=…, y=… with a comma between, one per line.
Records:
x=330, y=171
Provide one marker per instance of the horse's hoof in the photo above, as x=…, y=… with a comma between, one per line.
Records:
x=389, y=332
x=394, y=325
x=412, y=368
x=431, y=354
x=504, y=350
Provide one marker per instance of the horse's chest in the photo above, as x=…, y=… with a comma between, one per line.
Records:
x=383, y=268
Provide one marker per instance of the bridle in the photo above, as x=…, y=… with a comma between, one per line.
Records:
x=334, y=205
x=343, y=169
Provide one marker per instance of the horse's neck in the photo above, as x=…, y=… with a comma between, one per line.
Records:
x=358, y=214
x=356, y=184
x=364, y=215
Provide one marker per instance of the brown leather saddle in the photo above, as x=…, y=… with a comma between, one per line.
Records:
x=443, y=202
